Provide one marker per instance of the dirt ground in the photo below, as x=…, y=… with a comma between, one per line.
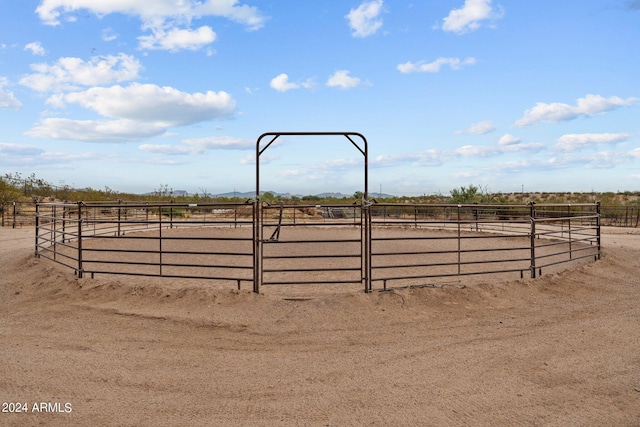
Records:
x=560, y=350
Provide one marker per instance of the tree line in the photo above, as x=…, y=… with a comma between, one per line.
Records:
x=17, y=187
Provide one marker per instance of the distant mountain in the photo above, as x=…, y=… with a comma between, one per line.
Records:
x=250, y=194
x=243, y=194
x=334, y=195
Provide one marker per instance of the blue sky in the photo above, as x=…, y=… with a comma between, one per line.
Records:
x=542, y=95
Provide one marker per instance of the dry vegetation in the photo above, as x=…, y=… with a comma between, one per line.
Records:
x=25, y=189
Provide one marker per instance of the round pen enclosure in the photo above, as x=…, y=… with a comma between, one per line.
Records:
x=406, y=245
x=365, y=244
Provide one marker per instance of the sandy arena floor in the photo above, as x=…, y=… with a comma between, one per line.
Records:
x=560, y=350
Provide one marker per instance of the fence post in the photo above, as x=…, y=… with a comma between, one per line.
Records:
x=569, y=231
x=54, y=231
x=598, y=226
x=171, y=214
x=119, y=216
x=257, y=255
x=459, y=206
x=532, y=220
x=80, y=240
x=64, y=222
x=368, y=270
x=160, y=238
x=626, y=216
x=14, y=215
x=37, y=224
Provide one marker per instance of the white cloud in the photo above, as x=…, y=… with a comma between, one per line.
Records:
x=365, y=19
x=140, y=111
x=199, y=146
x=603, y=160
x=599, y=160
x=243, y=14
x=433, y=157
x=588, y=106
x=95, y=130
x=531, y=147
x=435, y=66
x=338, y=164
x=69, y=72
x=7, y=99
x=35, y=48
x=508, y=139
x=108, y=35
x=175, y=39
x=281, y=83
x=511, y=166
x=436, y=157
x=572, y=142
x=469, y=16
x=151, y=103
x=50, y=11
x=164, y=18
x=18, y=150
x=479, y=128
x=477, y=151
x=635, y=153
x=343, y=80
x=250, y=159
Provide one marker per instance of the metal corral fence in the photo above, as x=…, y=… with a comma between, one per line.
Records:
x=480, y=239
x=620, y=216
x=391, y=245
x=149, y=239
x=17, y=214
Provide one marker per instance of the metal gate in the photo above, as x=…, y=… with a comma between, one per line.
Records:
x=287, y=247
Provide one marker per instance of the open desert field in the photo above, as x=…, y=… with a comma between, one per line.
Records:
x=560, y=350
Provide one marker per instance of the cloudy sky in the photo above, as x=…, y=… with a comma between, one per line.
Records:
x=509, y=94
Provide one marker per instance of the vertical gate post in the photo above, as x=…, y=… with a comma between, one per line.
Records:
x=160, y=238
x=459, y=242
x=80, y=240
x=598, y=225
x=14, y=215
x=119, y=216
x=54, y=232
x=366, y=276
x=37, y=224
x=257, y=253
x=532, y=220
x=64, y=222
x=569, y=231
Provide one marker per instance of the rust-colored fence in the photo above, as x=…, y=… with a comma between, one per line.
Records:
x=376, y=246
x=17, y=214
x=621, y=216
x=478, y=239
x=200, y=241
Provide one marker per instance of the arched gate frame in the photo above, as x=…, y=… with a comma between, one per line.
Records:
x=365, y=224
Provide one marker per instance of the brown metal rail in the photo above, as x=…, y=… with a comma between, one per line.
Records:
x=172, y=240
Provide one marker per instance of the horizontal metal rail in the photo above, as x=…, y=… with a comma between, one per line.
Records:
x=218, y=241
